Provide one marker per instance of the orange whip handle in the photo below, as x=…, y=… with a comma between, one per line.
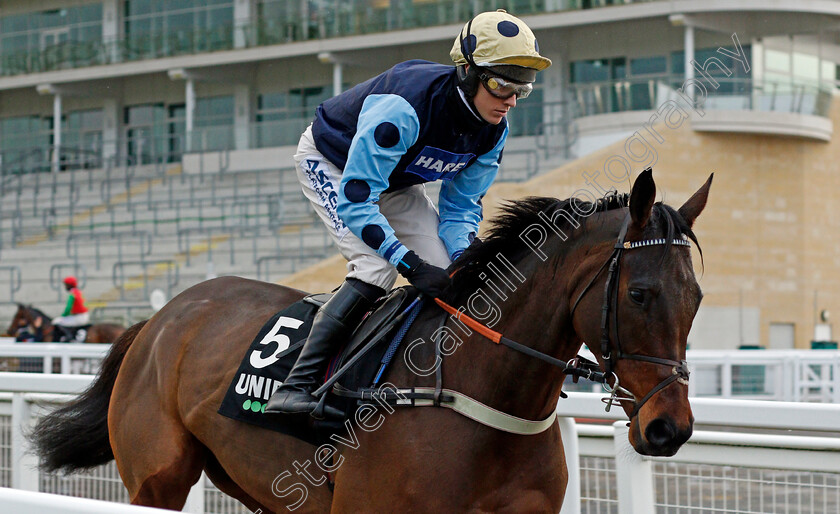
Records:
x=468, y=321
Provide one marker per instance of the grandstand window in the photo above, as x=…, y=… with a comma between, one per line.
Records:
x=83, y=129
x=25, y=142
x=282, y=116
x=527, y=118
x=157, y=28
x=147, y=134
x=53, y=39
x=738, y=83
x=281, y=21
x=213, y=125
x=82, y=138
x=597, y=93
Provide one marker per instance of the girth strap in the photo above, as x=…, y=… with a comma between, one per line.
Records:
x=459, y=402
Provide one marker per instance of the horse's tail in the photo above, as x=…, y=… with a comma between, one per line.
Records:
x=74, y=437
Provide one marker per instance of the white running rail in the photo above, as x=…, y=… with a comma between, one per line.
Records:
x=728, y=438
x=28, y=502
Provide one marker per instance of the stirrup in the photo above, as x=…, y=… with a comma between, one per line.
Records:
x=323, y=411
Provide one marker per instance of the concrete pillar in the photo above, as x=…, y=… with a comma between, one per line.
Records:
x=110, y=128
x=244, y=19
x=757, y=73
x=112, y=28
x=338, y=78
x=689, y=52
x=243, y=114
x=56, y=158
x=189, y=105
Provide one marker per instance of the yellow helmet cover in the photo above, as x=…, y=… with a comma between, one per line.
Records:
x=498, y=38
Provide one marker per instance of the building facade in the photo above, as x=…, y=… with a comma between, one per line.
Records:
x=88, y=83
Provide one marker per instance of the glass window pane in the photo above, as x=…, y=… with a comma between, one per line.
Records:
x=91, y=13
x=648, y=65
x=596, y=70
x=135, y=7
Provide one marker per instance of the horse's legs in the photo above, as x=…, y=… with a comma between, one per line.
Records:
x=225, y=484
x=158, y=458
x=170, y=484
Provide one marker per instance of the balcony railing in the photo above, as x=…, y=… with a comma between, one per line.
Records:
x=332, y=18
x=745, y=94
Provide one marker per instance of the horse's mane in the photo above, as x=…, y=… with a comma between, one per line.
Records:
x=37, y=312
x=503, y=236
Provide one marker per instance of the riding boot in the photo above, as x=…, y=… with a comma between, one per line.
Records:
x=63, y=334
x=334, y=322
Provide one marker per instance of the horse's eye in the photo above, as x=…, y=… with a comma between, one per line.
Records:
x=637, y=295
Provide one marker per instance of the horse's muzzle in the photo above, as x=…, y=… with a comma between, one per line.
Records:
x=662, y=437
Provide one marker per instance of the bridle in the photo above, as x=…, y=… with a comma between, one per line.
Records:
x=609, y=324
x=580, y=367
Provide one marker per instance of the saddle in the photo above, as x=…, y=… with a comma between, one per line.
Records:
x=72, y=334
x=274, y=351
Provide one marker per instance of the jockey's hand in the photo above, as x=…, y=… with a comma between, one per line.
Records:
x=428, y=278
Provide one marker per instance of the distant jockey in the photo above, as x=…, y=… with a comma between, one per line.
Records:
x=75, y=313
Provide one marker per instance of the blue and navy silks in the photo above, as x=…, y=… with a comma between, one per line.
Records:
x=407, y=126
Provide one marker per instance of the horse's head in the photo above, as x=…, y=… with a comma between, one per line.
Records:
x=20, y=315
x=637, y=312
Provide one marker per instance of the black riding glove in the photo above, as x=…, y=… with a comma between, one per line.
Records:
x=427, y=278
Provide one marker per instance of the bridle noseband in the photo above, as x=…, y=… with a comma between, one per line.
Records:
x=609, y=311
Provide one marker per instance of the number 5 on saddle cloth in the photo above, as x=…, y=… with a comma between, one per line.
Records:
x=274, y=351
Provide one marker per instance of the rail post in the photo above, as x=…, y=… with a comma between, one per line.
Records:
x=195, y=499
x=569, y=435
x=24, y=462
x=633, y=474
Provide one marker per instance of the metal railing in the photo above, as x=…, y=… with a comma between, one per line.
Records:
x=124, y=313
x=15, y=281
x=779, y=375
x=64, y=358
x=801, y=473
x=141, y=239
x=149, y=269
x=639, y=94
x=289, y=263
x=300, y=22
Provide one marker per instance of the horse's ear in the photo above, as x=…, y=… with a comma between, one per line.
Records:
x=694, y=206
x=641, y=198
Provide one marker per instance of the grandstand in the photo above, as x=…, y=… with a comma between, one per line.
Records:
x=147, y=145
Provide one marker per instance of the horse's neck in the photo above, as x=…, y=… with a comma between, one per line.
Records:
x=535, y=314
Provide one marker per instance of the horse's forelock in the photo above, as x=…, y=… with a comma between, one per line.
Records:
x=675, y=226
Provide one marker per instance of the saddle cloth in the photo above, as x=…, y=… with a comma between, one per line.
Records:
x=275, y=349
x=73, y=334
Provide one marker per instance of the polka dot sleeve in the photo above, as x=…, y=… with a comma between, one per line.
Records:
x=460, y=199
x=388, y=126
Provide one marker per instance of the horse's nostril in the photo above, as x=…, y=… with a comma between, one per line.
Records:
x=661, y=432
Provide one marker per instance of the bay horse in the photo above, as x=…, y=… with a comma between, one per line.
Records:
x=102, y=333
x=610, y=272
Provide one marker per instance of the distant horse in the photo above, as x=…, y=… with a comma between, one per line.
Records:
x=98, y=333
x=597, y=272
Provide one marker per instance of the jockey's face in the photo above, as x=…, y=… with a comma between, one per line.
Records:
x=492, y=108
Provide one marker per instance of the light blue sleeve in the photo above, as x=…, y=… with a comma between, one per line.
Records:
x=460, y=199
x=387, y=127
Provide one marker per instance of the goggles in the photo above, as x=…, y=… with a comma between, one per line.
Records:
x=504, y=89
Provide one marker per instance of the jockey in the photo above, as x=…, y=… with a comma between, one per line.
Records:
x=365, y=157
x=75, y=313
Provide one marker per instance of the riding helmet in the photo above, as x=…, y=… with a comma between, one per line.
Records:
x=498, y=42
